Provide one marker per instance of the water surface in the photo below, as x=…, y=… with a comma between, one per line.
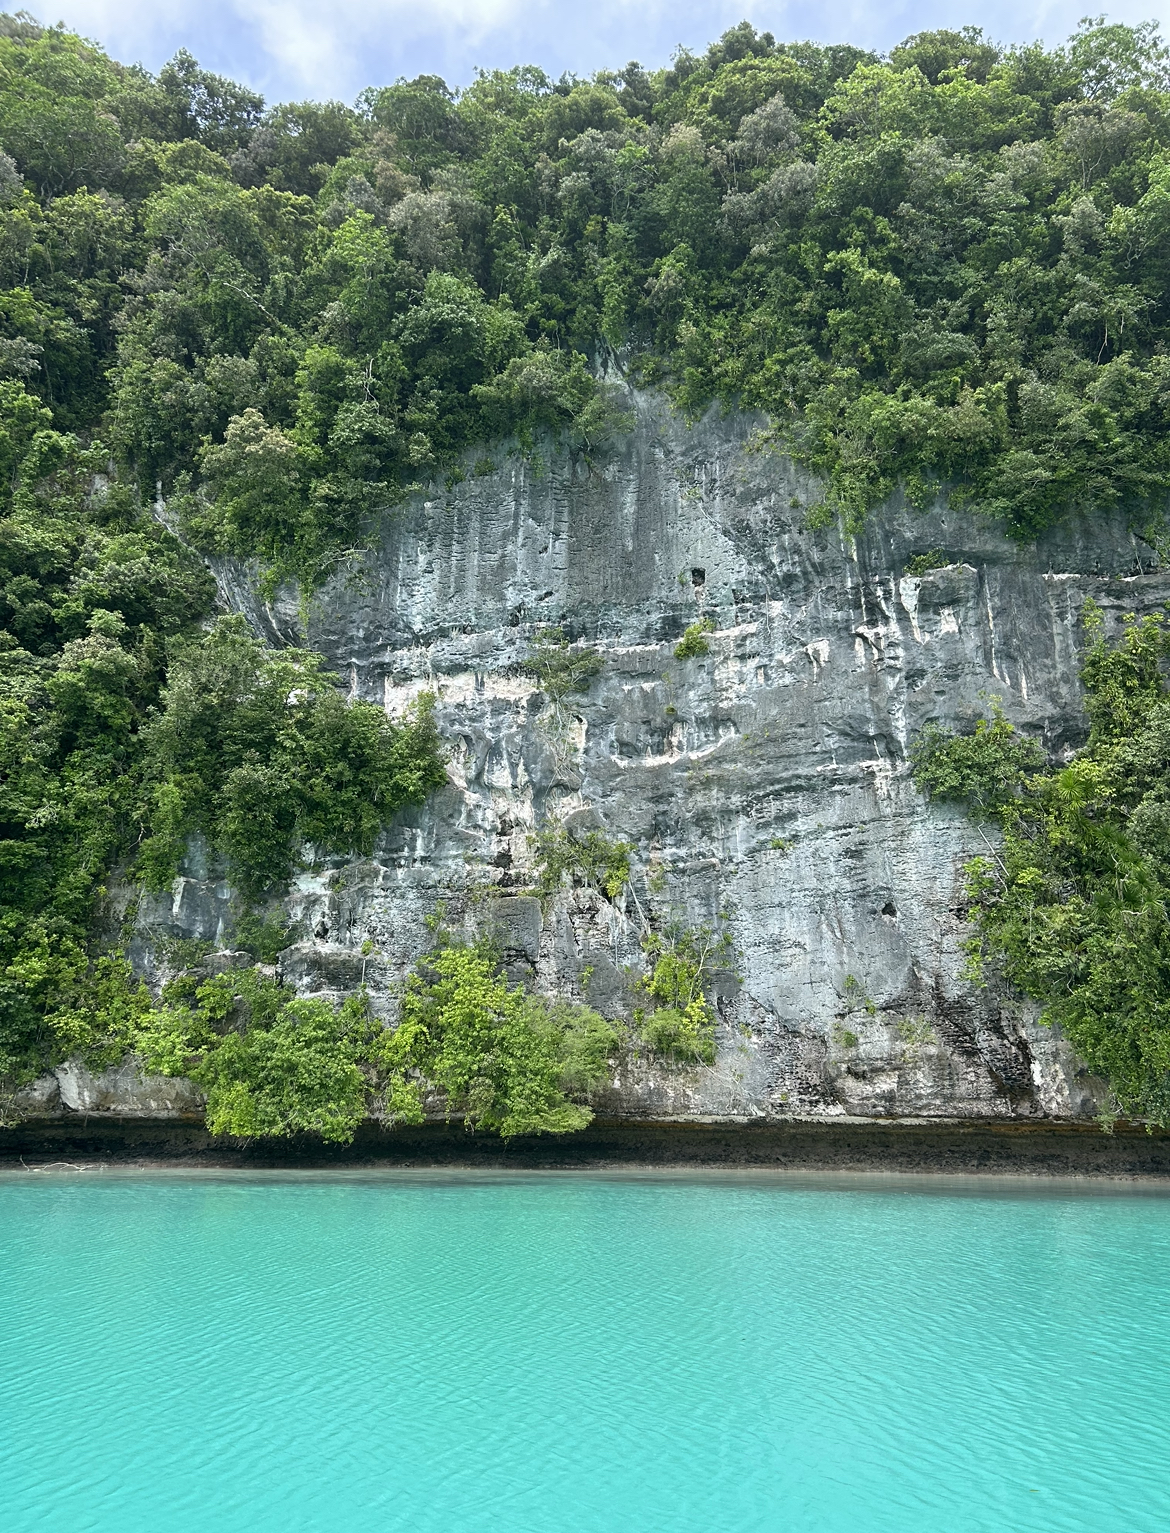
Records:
x=530, y=1354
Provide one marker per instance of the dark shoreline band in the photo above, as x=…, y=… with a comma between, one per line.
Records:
x=1043, y=1147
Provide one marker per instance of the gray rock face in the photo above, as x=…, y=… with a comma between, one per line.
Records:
x=126, y=1090
x=763, y=786
x=40, y=1098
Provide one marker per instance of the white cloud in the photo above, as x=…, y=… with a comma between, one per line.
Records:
x=321, y=46
x=298, y=48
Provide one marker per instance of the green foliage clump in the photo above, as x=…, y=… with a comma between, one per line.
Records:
x=986, y=770
x=693, y=643
x=506, y=1060
x=858, y=995
x=275, y=1064
x=877, y=233
x=922, y=564
x=271, y=1064
x=98, y=1008
x=258, y=751
x=591, y=859
x=92, y=590
x=264, y=938
x=561, y=668
x=916, y=1032
x=1073, y=909
x=680, y=1024
x=122, y=726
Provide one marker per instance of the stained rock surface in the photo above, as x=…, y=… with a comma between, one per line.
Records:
x=764, y=786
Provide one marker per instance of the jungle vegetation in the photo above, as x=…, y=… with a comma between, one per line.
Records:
x=275, y=1064
x=1071, y=908
x=945, y=268
x=230, y=328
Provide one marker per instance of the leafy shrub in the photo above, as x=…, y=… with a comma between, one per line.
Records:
x=274, y=1064
x=1073, y=909
x=546, y=388
x=986, y=770
x=922, y=564
x=693, y=643
x=98, y=1015
x=858, y=996
x=257, y=750
x=560, y=667
x=916, y=1032
x=685, y=1034
x=681, y=1023
x=505, y=1059
x=265, y=939
x=591, y=859
x=271, y=1064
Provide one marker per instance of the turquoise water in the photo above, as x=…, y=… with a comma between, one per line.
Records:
x=545, y=1353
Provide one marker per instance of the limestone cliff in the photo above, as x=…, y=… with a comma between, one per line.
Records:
x=764, y=785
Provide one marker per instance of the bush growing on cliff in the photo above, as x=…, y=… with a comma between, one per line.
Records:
x=505, y=1059
x=680, y=1025
x=561, y=668
x=257, y=750
x=986, y=770
x=272, y=1064
x=922, y=564
x=590, y=859
x=1073, y=908
x=693, y=644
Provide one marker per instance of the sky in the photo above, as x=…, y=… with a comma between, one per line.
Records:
x=331, y=49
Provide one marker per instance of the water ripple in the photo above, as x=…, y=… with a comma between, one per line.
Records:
x=537, y=1354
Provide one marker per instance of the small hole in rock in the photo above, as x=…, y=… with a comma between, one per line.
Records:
x=698, y=577
x=889, y=908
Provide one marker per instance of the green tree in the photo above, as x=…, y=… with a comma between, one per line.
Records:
x=1072, y=908
x=272, y=1064
x=504, y=1059
x=257, y=750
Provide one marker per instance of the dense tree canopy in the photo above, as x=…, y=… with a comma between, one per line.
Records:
x=944, y=267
